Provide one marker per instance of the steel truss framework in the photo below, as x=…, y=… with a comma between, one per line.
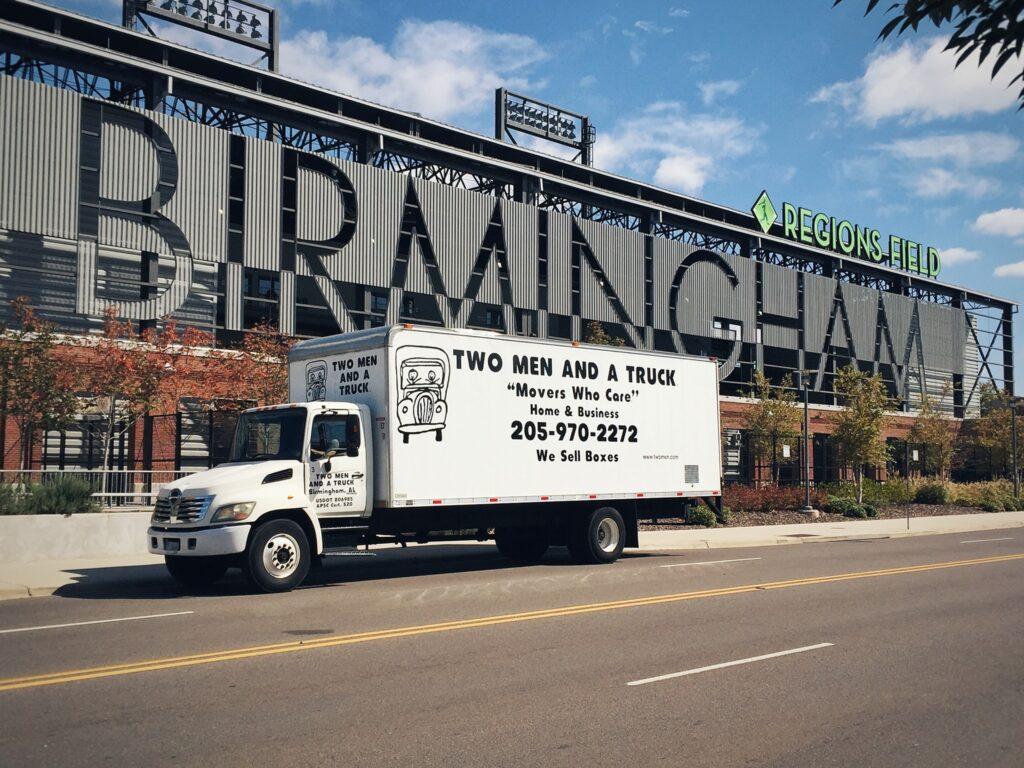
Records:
x=101, y=61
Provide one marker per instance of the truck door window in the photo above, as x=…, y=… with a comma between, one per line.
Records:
x=330, y=436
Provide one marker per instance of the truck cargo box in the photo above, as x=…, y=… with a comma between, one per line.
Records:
x=471, y=417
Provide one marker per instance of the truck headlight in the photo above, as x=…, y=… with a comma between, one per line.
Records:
x=234, y=512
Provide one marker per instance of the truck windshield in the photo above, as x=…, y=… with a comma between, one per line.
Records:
x=269, y=435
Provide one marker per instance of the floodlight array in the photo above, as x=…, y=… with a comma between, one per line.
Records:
x=542, y=119
x=235, y=18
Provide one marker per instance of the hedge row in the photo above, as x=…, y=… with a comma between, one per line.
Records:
x=61, y=496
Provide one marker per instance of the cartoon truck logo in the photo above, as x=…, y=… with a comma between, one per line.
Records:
x=422, y=376
x=316, y=380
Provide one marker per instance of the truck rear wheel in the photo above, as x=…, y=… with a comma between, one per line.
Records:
x=597, y=536
x=278, y=557
x=195, y=572
x=526, y=544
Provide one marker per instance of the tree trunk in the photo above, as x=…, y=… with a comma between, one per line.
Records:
x=858, y=476
x=108, y=444
x=25, y=461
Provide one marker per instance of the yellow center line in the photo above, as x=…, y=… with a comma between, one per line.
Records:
x=90, y=673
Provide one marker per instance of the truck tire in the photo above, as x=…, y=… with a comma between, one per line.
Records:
x=524, y=544
x=596, y=536
x=278, y=557
x=194, y=573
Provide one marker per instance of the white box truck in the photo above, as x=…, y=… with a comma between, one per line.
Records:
x=409, y=433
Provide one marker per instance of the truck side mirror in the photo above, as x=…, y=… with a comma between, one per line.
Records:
x=352, y=449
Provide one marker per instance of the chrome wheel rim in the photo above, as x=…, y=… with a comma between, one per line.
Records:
x=607, y=535
x=281, y=555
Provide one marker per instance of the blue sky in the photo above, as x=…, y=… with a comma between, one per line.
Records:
x=713, y=99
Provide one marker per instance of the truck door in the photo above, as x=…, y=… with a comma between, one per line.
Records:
x=337, y=466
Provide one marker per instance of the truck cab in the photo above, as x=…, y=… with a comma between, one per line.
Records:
x=293, y=470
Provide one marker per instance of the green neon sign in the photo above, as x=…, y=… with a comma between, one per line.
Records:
x=803, y=225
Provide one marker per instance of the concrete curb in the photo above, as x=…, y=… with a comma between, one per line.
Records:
x=807, y=533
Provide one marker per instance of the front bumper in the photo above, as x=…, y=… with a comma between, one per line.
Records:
x=199, y=542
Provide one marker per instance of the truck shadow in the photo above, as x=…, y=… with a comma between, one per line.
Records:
x=152, y=582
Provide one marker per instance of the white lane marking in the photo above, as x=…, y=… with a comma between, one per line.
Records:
x=710, y=562
x=95, y=621
x=775, y=655
x=978, y=541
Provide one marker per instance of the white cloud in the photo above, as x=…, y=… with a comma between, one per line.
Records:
x=918, y=82
x=712, y=90
x=698, y=59
x=443, y=69
x=678, y=13
x=1005, y=221
x=651, y=28
x=673, y=147
x=940, y=182
x=963, y=149
x=952, y=256
x=1015, y=269
x=686, y=170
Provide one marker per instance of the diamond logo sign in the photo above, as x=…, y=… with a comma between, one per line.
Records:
x=764, y=211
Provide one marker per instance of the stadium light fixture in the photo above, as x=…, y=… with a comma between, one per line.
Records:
x=522, y=114
x=240, y=21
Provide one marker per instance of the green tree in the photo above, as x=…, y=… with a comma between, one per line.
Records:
x=774, y=417
x=124, y=379
x=986, y=27
x=38, y=389
x=858, y=424
x=937, y=433
x=992, y=430
x=596, y=334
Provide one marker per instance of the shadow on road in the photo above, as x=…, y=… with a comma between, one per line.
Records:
x=152, y=582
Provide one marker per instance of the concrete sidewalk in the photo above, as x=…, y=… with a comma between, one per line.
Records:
x=146, y=572
x=800, y=533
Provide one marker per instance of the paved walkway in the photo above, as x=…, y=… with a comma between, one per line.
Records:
x=798, y=533
x=45, y=577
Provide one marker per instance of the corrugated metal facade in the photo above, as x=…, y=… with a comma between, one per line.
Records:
x=39, y=129
x=596, y=269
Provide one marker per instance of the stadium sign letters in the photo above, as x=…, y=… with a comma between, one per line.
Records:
x=840, y=236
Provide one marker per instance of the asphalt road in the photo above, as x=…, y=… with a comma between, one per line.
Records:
x=897, y=652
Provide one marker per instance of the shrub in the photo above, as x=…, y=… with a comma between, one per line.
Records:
x=840, y=505
x=856, y=511
x=870, y=511
x=973, y=494
x=990, y=506
x=61, y=496
x=894, y=491
x=700, y=516
x=767, y=498
x=11, y=501
x=932, y=493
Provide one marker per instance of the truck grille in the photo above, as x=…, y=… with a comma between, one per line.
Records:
x=189, y=510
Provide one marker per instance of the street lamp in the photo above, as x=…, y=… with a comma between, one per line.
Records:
x=802, y=381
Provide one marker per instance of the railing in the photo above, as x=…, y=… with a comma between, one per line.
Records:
x=117, y=488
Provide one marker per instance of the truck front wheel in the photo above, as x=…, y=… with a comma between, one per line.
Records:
x=195, y=572
x=278, y=557
x=597, y=536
